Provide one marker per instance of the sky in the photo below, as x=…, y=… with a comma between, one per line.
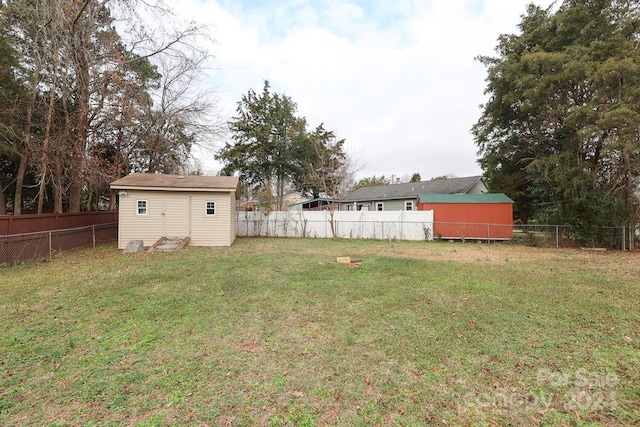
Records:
x=397, y=79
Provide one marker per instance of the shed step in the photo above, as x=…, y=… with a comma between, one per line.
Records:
x=169, y=244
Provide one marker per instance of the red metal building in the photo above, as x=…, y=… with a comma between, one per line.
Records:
x=486, y=216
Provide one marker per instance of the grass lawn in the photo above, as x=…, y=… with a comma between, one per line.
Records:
x=272, y=332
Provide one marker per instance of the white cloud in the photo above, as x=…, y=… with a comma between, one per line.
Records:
x=397, y=79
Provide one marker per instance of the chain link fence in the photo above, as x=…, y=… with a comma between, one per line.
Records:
x=316, y=224
x=44, y=244
x=563, y=236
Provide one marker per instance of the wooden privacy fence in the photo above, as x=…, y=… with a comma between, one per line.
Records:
x=28, y=223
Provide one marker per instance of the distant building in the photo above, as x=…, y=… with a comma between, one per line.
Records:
x=248, y=206
x=404, y=196
x=292, y=199
x=317, y=204
x=487, y=216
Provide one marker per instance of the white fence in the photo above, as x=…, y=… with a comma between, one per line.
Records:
x=390, y=225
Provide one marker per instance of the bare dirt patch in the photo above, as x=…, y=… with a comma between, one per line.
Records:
x=498, y=254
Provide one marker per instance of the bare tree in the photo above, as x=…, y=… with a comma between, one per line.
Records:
x=331, y=170
x=179, y=115
x=24, y=28
x=95, y=101
x=51, y=32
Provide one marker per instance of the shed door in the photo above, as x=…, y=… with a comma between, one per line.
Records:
x=177, y=218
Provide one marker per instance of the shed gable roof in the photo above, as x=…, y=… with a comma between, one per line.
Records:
x=151, y=181
x=412, y=189
x=465, y=198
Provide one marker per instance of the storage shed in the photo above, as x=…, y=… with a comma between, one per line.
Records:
x=152, y=206
x=486, y=216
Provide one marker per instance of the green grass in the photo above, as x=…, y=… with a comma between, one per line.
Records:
x=273, y=332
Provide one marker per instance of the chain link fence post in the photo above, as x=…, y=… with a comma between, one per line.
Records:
x=41, y=244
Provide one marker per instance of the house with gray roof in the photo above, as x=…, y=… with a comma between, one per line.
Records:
x=404, y=197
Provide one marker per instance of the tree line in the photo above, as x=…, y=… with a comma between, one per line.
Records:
x=89, y=92
x=560, y=132
x=273, y=151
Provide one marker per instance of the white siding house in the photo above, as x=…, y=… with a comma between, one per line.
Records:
x=152, y=206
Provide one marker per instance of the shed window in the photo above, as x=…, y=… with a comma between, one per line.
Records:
x=142, y=207
x=408, y=206
x=379, y=206
x=210, y=208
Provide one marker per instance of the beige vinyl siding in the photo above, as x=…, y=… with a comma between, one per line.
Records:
x=132, y=226
x=176, y=214
x=232, y=218
x=210, y=230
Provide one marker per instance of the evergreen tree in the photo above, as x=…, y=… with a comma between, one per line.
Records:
x=372, y=181
x=272, y=148
x=559, y=133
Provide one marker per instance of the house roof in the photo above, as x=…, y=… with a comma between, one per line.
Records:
x=151, y=181
x=412, y=189
x=317, y=199
x=465, y=198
